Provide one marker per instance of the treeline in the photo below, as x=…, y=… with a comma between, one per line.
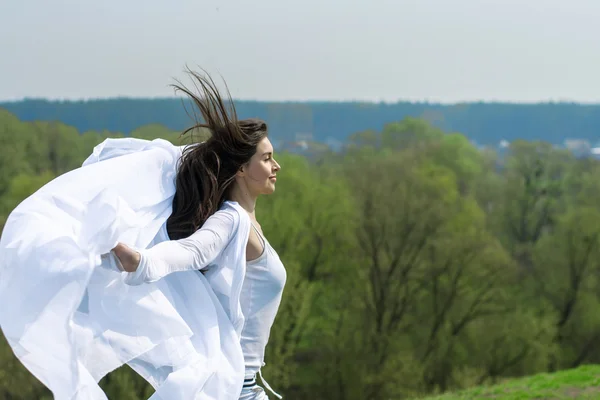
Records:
x=332, y=122
x=416, y=263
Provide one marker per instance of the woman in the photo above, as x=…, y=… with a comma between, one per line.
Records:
x=191, y=334
x=230, y=170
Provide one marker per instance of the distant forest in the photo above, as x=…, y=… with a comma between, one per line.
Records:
x=334, y=122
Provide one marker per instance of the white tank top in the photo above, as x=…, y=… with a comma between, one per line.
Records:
x=260, y=297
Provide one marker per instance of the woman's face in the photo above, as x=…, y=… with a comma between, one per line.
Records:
x=259, y=174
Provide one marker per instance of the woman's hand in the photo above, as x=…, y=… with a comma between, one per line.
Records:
x=130, y=259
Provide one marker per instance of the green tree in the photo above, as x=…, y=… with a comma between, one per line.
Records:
x=533, y=196
x=567, y=263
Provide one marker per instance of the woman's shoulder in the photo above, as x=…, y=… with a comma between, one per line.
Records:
x=230, y=214
x=230, y=222
x=233, y=208
x=235, y=213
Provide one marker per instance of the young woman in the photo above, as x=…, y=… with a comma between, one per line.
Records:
x=188, y=294
x=230, y=170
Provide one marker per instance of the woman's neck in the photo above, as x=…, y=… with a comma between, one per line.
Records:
x=243, y=197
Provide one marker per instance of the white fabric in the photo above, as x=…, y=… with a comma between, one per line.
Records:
x=251, y=390
x=261, y=295
x=71, y=318
x=261, y=290
x=253, y=393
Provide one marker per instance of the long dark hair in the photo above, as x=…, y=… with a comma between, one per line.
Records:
x=207, y=170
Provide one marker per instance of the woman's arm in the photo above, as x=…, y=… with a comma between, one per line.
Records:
x=192, y=253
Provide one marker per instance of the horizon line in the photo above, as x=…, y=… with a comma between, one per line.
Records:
x=307, y=101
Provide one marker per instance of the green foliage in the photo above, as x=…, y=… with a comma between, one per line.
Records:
x=153, y=131
x=411, y=132
x=21, y=186
x=416, y=263
x=124, y=383
x=580, y=383
x=15, y=381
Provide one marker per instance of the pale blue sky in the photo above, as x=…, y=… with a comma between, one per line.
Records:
x=435, y=50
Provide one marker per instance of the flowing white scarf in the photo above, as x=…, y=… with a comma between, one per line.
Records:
x=71, y=321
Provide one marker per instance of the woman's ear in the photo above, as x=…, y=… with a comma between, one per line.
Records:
x=240, y=172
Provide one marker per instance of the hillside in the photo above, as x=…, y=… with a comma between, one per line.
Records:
x=333, y=122
x=579, y=383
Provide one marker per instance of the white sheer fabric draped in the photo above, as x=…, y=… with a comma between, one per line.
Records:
x=71, y=319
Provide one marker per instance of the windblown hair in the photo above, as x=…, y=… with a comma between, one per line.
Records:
x=207, y=170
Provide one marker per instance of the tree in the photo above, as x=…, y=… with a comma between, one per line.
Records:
x=12, y=149
x=409, y=133
x=565, y=275
x=532, y=196
x=401, y=206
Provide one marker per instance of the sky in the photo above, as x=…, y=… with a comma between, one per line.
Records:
x=369, y=50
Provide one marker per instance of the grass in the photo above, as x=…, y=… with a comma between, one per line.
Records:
x=579, y=383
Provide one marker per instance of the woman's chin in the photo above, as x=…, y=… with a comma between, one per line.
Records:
x=270, y=189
